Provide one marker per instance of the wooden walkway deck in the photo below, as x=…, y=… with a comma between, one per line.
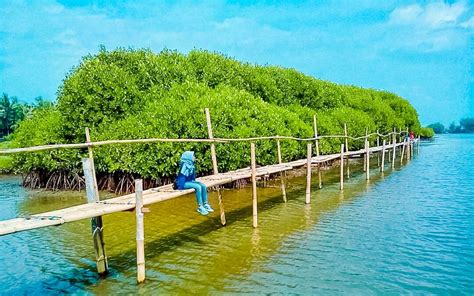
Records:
x=154, y=195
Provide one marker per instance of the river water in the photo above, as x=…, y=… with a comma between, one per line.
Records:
x=411, y=229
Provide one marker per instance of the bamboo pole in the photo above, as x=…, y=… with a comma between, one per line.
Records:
x=403, y=151
x=214, y=166
x=382, y=165
x=418, y=146
x=315, y=125
x=347, y=150
x=408, y=149
x=394, y=142
x=96, y=222
x=308, y=175
x=367, y=153
x=378, y=144
x=341, y=173
x=254, y=185
x=140, y=231
x=283, y=190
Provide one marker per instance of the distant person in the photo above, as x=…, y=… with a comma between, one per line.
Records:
x=187, y=180
x=412, y=135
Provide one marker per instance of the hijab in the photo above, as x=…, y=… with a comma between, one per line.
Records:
x=187, y=163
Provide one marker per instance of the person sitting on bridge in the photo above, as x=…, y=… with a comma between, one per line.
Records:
x=187, y=180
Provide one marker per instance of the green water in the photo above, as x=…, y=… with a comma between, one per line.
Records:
x=410, y=229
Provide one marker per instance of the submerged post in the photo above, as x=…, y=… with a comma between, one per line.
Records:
x=140, y=231
x=315, y=125
x=403, y=151
x=347, y=150
x=254, y=185
x=96, y=222
x=214, y=165
x=283, y=190
x=92, y=192
x=418, y=146
x=383, y=157
x=367, y=153
x=341, y=173
x=394, y=143
x=308, y=175
x=378, y=144
x=365, y=143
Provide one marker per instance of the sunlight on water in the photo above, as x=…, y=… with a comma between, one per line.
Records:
x=407, y=230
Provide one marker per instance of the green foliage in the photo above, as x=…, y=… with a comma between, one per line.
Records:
x=437, y=127
x=127, y=94
x=426, y=132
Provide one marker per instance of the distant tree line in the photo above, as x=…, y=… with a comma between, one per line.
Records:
x=466, y=125
x=12, y=112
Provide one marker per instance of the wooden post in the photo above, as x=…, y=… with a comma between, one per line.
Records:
x=254, y=185
x=367, y=153
x=418, y=146
x=315, y=125
x=347, y=150
x=408, y=149
x=283, y=190
x=308, y=175
x=403, y=151
x=92, y=192
x=394, y=143
x=341, y=173
x=140, y=231
x=96, y=222
x=214, y=166
x=383, y=157
x=378, y=144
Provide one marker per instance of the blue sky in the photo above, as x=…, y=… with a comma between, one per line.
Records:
x=421, y=50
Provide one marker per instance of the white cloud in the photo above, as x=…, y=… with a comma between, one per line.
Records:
x=433, y=15
x=433, y=27
x=469, y=24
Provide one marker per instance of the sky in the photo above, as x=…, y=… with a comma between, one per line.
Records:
x=420, y=50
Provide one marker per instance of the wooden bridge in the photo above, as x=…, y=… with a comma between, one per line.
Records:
x=95, y=208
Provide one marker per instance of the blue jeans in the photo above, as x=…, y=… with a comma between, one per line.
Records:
x=201, y=191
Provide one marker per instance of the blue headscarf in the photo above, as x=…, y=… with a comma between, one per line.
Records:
x=187, y=163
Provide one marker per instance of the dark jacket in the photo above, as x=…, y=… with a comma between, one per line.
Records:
x=181, y=179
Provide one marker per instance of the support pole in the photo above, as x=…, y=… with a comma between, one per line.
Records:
x=394, y=143
x=367, y=153
x=214, y=165
x=308, y=175
x=140, y=231
x=382, y=165
x=92, y=192
x=283, y=190
x=347, y=150
x=418, y=146
x=403, y=151
x=408, y=149
x=378, y=144
x=254, y=186
x=341, y=173
x=315, y=125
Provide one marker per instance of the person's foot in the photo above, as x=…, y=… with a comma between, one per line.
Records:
x=208, y=208
x=202, y=210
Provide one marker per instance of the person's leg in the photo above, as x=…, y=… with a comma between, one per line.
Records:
x=204, y=197
x=197, y=188
x=203, y=192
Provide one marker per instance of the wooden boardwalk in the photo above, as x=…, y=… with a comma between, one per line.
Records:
x=158, y=194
